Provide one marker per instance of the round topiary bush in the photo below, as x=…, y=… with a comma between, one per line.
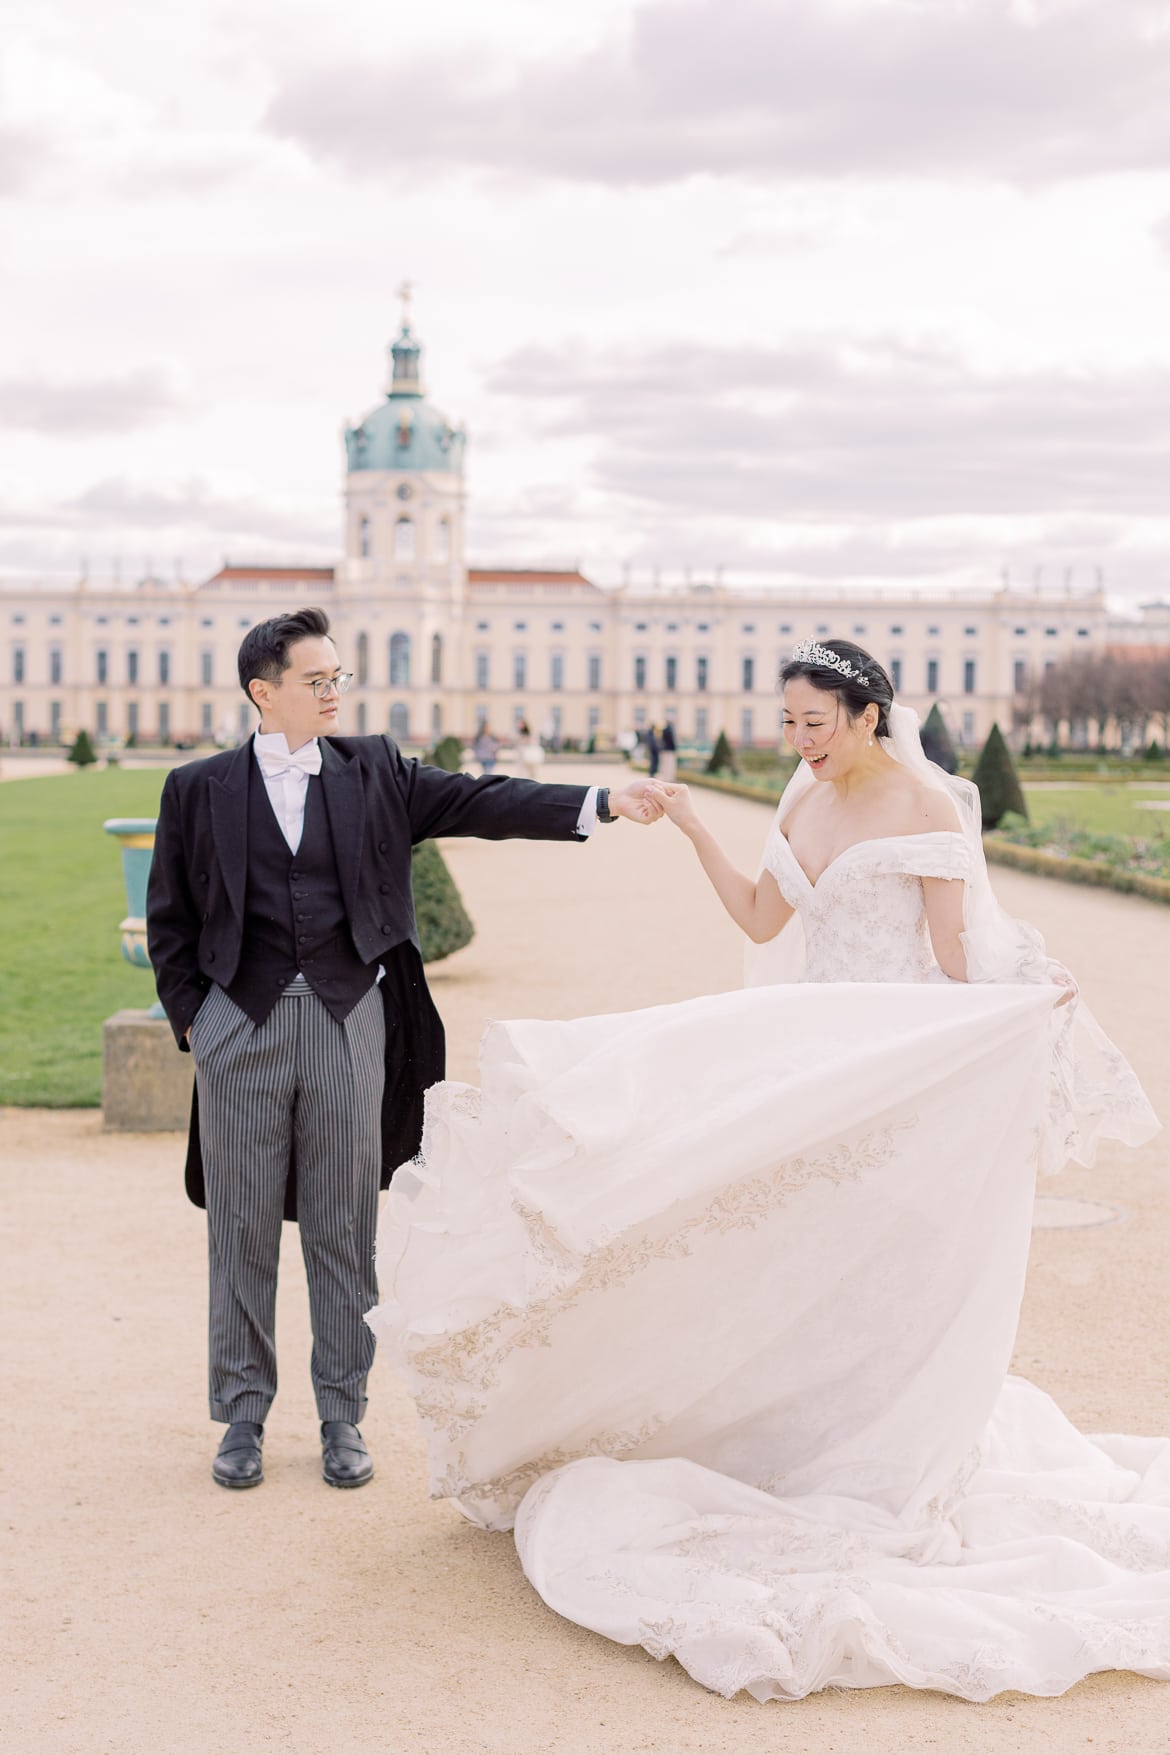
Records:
x=447, y=754
x=443, y=922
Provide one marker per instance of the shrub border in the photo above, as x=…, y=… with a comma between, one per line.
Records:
x=1071, y=870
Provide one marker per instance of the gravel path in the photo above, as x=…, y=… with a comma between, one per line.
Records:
x=157, y=1613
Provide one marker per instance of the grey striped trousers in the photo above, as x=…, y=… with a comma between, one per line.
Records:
x=299, y=1077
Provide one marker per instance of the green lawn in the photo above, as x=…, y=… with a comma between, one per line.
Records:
x=61, y=898
x=1106, y=810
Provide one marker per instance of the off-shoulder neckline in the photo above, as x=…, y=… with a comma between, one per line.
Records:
x=869, y=841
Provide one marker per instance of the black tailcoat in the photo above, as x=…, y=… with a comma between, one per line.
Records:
x=379, y=805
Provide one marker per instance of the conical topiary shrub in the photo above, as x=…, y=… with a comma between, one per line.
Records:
x=443, y=922
x=999, y=784
x=448, y=755
x=83, y=752
x=936, y=741
x=722, y=757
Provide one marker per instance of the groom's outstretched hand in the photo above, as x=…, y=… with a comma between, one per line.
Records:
x=636, y=803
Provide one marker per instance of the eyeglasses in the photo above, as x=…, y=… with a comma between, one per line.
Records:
x=323, y=686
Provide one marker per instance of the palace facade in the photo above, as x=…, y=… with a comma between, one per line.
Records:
x=437, y=647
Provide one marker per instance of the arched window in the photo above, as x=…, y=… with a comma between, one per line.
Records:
x=400, y=722
x=436, y=720
x=436, y=658
x=400, y=661
x=363, y=660
x=364, y=538
x=404, y=540
x=443, y=540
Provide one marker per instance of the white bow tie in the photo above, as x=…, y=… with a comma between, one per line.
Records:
x=306, y=760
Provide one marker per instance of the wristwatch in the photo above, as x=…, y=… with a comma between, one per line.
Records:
x=604, y=814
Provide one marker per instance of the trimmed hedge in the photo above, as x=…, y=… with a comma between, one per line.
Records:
x=443, y=922
x=1072, y=870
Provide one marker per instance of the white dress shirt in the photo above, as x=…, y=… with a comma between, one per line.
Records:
x=288, y=787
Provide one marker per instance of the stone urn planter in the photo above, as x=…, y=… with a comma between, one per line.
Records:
x=146, y=1083
x=135, y=836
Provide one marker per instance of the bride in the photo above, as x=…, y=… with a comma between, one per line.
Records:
x=715, y=1302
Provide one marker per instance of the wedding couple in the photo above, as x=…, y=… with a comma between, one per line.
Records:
x=281, y=930
x=714, y=1303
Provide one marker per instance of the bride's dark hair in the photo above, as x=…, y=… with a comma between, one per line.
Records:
x=870, y=683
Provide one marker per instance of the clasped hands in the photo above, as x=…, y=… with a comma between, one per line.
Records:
x=645, y=801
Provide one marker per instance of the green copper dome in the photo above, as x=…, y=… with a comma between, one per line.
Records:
x=405, y=431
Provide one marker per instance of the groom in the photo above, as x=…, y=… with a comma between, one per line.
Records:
x=281, y=930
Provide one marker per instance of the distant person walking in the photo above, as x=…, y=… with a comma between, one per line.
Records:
x=668, y=760
x=485, y=749
x=652, y=749
x=531, y=750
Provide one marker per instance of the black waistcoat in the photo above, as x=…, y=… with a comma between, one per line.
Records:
x=294, y=913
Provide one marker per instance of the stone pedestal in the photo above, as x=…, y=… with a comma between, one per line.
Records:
x=146, y=1082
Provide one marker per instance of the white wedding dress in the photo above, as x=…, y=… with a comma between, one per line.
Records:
x=715, y=1303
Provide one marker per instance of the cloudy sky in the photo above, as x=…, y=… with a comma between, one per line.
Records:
x=821, y=290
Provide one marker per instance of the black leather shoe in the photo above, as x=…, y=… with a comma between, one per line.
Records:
x=239, y=1461
x=345, y=1459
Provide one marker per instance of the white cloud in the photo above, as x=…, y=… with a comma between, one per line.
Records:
x=805, y=88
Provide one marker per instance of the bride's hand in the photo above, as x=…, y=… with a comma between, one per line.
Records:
x=674, y=802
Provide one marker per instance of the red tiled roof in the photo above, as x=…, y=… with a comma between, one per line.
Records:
x=250, y=573
x=527, y=576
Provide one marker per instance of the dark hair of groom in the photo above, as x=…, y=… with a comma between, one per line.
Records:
x=264, y=648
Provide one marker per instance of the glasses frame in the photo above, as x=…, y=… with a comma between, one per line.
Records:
x=324, y=686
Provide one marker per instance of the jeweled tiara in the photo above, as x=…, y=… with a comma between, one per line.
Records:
x=808, y=652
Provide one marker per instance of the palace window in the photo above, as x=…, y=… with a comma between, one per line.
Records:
x=404, y=539
x=206, y=668
x=56, y=664
x=557, y=671
x=640, y=671
x=164, y=667
x=1020, y=675
x=594, y=670
x=364, y=538
x=18, y=664
x=749, y=674
x=671, y=673
x=896, y=673
x=164, y=722
x=400, y=722
x=400, y=660
x=103, y=719
x=968, y=676
x=519, y=670
x=436, y=659
x=932, y=676
x=362, y=648
x=443, y=540
x=482, y=670
x=701, y=673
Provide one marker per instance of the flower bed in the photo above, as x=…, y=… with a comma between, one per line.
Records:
x=1137, y=863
